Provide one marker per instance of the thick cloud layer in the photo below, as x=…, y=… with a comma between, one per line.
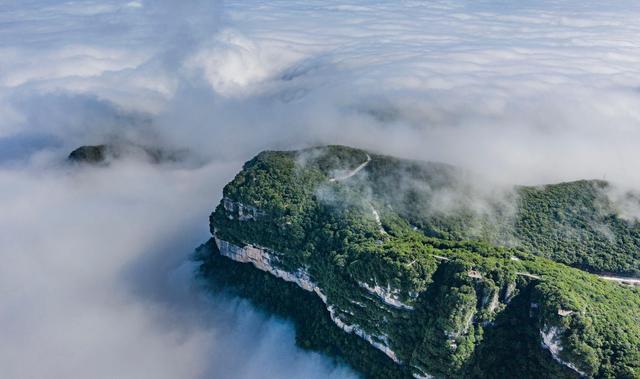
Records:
x=95, y=281
x=94, y=277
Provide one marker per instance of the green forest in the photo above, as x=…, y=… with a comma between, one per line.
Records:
x=477, y=287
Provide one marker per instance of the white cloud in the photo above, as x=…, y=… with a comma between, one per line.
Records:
x=134, y=4
x=94, y=281
x=527, y=92
x=234, y=65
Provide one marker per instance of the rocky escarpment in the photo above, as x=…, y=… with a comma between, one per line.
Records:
x=475, y=313
x=240, y=211
x=435, y=307
x=552, y=340
x=265, y=260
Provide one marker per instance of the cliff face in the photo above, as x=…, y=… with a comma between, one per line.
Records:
x=436, y=307
x=262, y=259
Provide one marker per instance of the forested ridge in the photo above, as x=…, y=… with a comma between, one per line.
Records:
x=479, y=302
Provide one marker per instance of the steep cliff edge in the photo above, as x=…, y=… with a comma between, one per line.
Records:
x=330, y=222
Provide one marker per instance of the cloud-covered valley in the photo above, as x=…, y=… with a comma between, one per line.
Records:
x=95, y=278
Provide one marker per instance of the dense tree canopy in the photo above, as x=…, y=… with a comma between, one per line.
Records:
x=478, y=286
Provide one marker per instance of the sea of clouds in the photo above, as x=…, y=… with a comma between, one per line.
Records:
x=95, y=279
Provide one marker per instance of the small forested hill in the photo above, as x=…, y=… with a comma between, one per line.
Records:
x=105, y=153
x=405, y=268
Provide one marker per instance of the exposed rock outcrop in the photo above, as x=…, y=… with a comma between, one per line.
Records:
x=242, y=212
x=552, y=341
x=388, y=295
x=265, y=260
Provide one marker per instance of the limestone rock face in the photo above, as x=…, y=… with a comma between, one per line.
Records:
x=351, y=313
x=388, y=295
x=552, y=341
x=264, y=260
x=240, y=211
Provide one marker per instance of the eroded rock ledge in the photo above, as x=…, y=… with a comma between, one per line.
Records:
x=388, y=295
x=265, y=260
x=551, y=340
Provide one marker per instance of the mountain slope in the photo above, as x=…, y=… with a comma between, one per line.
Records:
x=431, y=288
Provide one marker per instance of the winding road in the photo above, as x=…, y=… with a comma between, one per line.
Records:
x=621, y=279
x=352, y=172
x=348, y=174
x=376, y=216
